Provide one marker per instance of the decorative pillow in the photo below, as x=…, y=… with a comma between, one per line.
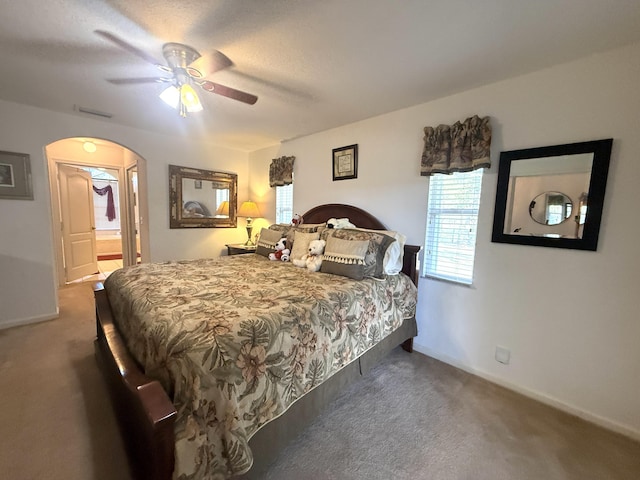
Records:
x=345, y=257
x=325, y=233
x=267, y=241
x=288, y=231
x=315, y=226
x=378, y=244
x=280, y=227
x=301, y=243
x=393, y=257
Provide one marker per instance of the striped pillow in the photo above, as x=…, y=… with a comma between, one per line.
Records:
x=267, y=241
x=345, y=257
x=378, y=244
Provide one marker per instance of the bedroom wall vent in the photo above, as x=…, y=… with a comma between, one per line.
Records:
x=91, y=111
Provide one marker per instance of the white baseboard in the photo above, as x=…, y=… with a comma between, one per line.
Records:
x=541, y=397
x=27, y=321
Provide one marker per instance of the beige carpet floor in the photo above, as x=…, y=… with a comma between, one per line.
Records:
x=411, y=418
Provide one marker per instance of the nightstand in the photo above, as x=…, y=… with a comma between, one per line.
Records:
x=240, y=248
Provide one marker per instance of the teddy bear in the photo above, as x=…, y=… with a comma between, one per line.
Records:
x=312, y=260
x=339, y=223
x=282, y=252
x=297, y=220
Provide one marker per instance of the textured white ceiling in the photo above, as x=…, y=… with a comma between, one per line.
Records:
x=313, y=64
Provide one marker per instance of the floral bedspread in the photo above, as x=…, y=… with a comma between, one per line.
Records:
x=236, y=340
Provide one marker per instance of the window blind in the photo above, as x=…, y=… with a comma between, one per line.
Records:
x=452, y=221
x=284, y=203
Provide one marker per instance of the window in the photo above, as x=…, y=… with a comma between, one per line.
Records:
x=452, y=221
x=222, y=195
x=284, y=203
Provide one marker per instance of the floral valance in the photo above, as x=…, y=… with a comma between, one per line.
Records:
x=281, y=171
x=460, y=147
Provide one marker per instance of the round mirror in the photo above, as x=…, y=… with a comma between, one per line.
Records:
x=550, y=208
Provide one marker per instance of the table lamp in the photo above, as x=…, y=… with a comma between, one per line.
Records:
x=223, y=209
x=250, y=210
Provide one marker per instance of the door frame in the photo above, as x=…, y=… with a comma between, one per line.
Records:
x=130, y=206
x=54, y=160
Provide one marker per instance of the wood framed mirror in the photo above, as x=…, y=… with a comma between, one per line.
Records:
x=202, y=198
x=552, y=196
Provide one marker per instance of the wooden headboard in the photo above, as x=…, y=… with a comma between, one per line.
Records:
x=356, y=215
x=363, y=219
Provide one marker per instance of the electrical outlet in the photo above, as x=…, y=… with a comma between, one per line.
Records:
x=503, y=355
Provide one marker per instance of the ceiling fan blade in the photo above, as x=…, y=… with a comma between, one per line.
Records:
x=128, y=47
x=228, y=92
x=134, y=81
x=208, y=64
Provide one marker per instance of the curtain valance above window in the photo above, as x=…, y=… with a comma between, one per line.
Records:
x=281, y=171
x=461, y=147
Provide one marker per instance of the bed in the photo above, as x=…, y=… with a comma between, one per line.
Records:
x=156, y=416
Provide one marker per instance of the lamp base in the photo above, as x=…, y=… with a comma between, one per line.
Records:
x=249, y=242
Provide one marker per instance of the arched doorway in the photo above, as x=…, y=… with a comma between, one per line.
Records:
x=110, y=233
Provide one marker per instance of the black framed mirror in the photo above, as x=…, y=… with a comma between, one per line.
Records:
x=552, y=196
x=202, y=198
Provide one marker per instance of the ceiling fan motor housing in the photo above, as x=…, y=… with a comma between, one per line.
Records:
x=179, y=57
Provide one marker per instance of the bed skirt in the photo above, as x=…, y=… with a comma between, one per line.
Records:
x=274, y=437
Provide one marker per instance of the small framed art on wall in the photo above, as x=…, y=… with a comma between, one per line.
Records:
x=345, y=162
x=15, y=176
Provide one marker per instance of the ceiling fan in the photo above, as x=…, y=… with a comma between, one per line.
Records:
x=186, y=68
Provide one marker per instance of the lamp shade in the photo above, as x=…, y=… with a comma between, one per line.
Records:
x=223, y=209
x=248, y=209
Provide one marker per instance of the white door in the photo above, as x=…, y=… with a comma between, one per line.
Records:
x=78, y=229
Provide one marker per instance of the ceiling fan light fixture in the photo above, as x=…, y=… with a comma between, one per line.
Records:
x=171, y=96
x=189, y=98
x=184, y=99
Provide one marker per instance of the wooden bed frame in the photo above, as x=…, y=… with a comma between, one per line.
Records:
x=147, y=416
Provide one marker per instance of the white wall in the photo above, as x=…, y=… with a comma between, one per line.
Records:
x=578, y=347
x=27, y=282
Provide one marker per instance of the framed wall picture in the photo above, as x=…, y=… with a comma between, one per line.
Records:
x=15, y=176
x=345, y=162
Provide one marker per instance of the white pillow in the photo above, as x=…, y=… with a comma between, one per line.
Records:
x=393, y=257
